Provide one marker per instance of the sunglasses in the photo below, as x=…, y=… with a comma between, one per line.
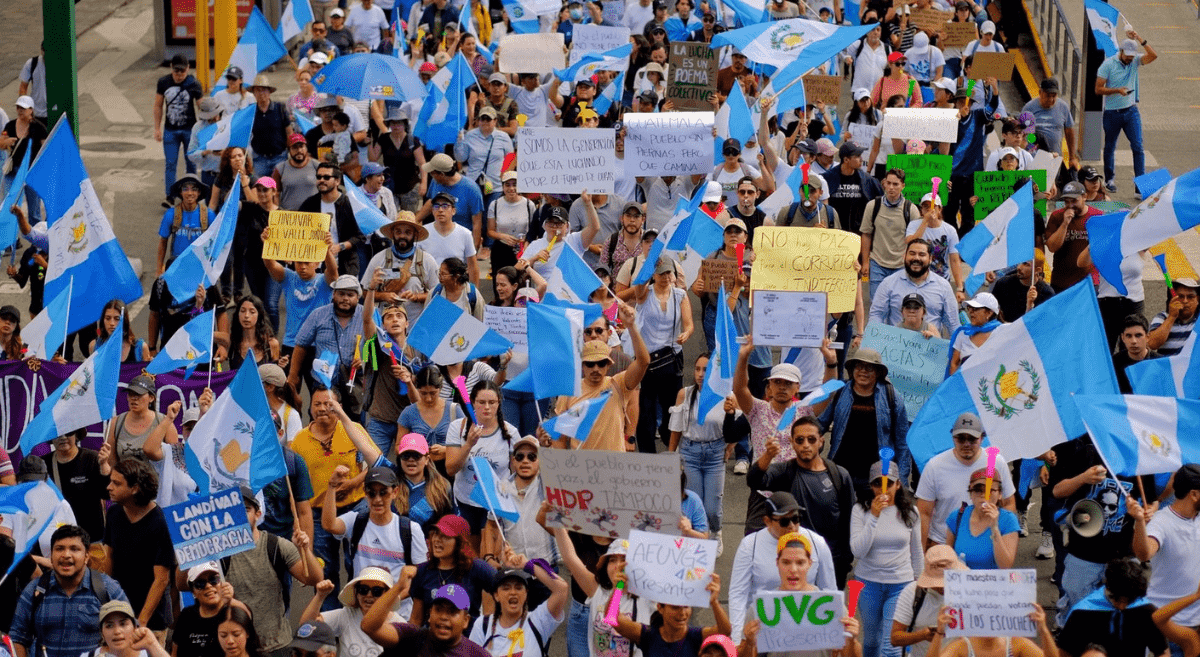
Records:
x=487, y=118
x=590, y=364
x=729, y=152
x=525, y=456
x=411, y=456
x=747, y=192
x=965, y=439
x=978, y=488
x=373, y=591
x=201, y=584
x=324, y=177
x=591, y=330
x=788, y=521
x=810, y=440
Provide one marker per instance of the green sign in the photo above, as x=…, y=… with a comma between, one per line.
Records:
x=919, y=172
x=994, y=187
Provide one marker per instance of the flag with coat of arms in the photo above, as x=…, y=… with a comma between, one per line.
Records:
x=448, y=334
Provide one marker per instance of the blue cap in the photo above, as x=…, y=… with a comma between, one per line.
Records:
x=372, y=169
x=455, y=594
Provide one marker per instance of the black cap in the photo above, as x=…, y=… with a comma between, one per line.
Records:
x=913, y=297
x=248, y=496
x=807, y=146
x=445, y=196
x=850, y=149
x=10, y=313
x=1049, y=85
x=313, y=636
x=381, y=475
x=511, y=573
x=1089, y=173
x=179, y=61
x=32, y=468
x=780, y=502
x=731, y=144
x=649, y=97
x=234, y=73
x=557, y=214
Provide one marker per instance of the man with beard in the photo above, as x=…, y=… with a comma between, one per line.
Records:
x=443, y=635
x=940, y=303
x=330, y=200
x=409, y=272
x=329, y=328
x=626, y=242
x=1170, y=330
x=297, y=175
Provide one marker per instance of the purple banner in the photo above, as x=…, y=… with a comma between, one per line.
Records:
x=22, y=389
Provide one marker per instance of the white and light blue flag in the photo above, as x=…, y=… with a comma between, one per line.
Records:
x=204, y=260
x=368, y=215
x=444, y=111
x=448, y=334
x=303, y=123
x=324, y=366
x=296, y=15
x=487, y=493
x=578, y=420
x=1172, y=376
x=32, y=507
x=718, y=379
x=521, y=18
x=616, y=59
x=732, y=120
x=12, y=196
x=44, y=334
x=1142, y=435
x=781, y=43
x=611, y=94
x=190, y=346
x=1103, y=19
x=555, y=365
x=572, y=279
x=257, y=48
x=1003, y=239
x=232, y=130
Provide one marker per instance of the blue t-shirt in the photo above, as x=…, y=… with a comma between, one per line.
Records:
x=411, y=417
x=693, y=510
x=189, y=229
x=301, y=297
x=1117, y=75
x=477, y=580
x=470, y=200
x=419, y=510
x=977, y=551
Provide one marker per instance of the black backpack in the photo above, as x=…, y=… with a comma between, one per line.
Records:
x=278, y=564
x=360, y=526
x=488, y=622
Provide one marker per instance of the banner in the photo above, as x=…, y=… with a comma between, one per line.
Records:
x=991, y=602
x=959, y=35
x=807, y=621
x=916, y=365
x=807, y=260
x=23, y=389
x=669, y=143
x=692, y=76
x=994, y=188
x=928, y=123
x=997, y=65
x=209, y=528
x=610, y=493
x=673, y=570
x=531, y=53
x=509, y=322
x=788, y=319
x=920, y=170
x=566, y=160
x=823, y=88
x=586, y=38
x=296, y=236
x=928, y=18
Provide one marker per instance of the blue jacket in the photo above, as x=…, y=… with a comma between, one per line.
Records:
x=837, y=415
x=968, y=152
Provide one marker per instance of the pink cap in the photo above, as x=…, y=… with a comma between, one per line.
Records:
x=723, y=641
x=413, y=442
x=266, y=181
x=296, y=138
x=428, y=67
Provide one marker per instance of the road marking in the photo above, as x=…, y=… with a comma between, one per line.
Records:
x=96, y=78
x=1181, y=52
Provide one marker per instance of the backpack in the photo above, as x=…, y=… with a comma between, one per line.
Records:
x=278, y=564
x=472, y=295
x=822, y=209
x=43, y=585
x=918, y=600
x=908, y=207
x=417, y=264
x=542, y=644
x=177, y=218
x=360, y=527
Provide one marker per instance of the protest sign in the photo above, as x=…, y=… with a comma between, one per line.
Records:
x=1048, y=160
x=991, y=602
x=928, y=18
x=668, y=143
x=614, y=11
x=997, y=65
x=788, y=319
x=531, y=53
x=566, y=160
x=718, y=270
x=296, y=236
x=862, y=134
x=669, y=569
x=920, y=170
x=509, y=322
x=610, y=493
x=994, y=187
x=916, y=365
x=807, y=621
x=958, y=35
x=823, y=88
x=927, y=123
x=209, y=528
x=692, y=76
x=807, y=260
x=586, y=38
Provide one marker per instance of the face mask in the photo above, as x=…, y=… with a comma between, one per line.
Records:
x=576, y=14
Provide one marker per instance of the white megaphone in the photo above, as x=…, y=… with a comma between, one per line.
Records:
x=1087, y=518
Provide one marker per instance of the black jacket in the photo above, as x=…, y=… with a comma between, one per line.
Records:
x=346, y=228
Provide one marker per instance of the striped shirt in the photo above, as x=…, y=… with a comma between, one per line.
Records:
x=68, y=625
x=1177, y=337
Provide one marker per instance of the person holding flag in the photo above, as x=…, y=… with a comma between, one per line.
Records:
x=523, y=536
x=396, y=363
x=542, y=253
x=483, y=433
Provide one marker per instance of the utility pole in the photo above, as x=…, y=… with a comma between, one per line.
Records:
x=225, y=26
x=62, y=66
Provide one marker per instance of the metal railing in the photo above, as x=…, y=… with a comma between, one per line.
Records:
x=1062, y=50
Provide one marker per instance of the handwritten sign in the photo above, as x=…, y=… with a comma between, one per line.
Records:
x=862, y=134
x=611, y=493
x=692, y=76
x=531, y=53
x=916, y=365
x=920, y=170
x=823, y=88
x=807, y=260
x=586, y=38
x=209, y=528
x=718, y=270
x=927, y=123
x=296, y=236
x=672, y=570
x=958, y=35
x=997, y=65
x=994, y=187
x=807, y=621
x=788, y=319
x=509, y=322
x=668, y=143
x=566, y=160
x=930, y=19
x=991, y=602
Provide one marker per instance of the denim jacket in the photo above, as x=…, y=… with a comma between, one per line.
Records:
x=837, y=415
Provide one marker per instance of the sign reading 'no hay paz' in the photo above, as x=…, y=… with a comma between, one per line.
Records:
x=807, y=260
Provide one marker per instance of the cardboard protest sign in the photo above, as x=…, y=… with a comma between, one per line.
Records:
x=788, y=319
x=928, y=18
x=531, y=53
x=807, y=260
x=586, y=38
x=669, y=569
x=296, y=236
x=927, y=123
x=718, y=270
x=692, y=76
x=958, y=35
x=997, y=65
x=994, y=188
x=991, y=602
x=668, y=143
x=920, y=170
x=862, y=134
x=610, y=493
x=822, y=88
x=566, y=160
x=916, y=365
x=209, y=528
x=806, y=621
x=509, y=322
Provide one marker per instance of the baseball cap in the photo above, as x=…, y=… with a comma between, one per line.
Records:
x=25, y=102
x=497, y=77
x=272, y=374
x=860, y=94
x=488, y=111
x=946, y=84
x=785, y=372
x=1089, y=173
x=117, y=607
x=1129, y=47
x=849, y=149
x=338, y=12
x=734, y=222
x=191, y=415
x=318, y=58
x=1072, y=190
x=266, y=181
x=441, y=163
x=313, y=636
x=180, y=61
x=445, y=196
x=988, y=27
x=713, y=192
x=196, y=571
x=527, y=440
x=731, y=144
x=557, y=215
x=967, y=424
x=665, y=264
x=381, y=475
x=895, y=56
x=413, y=442
x=633, y=205
x=10, y=313
x=649, y=97
x=781, y=502
x=296, y=138
x=1049, y=85
x=372, y=169
x=985, y=300
x=509, y=175
x=347, y=282
x=430, y=67
x=913, y=297
x=142, y=384
x=248, y=496
x=454, y=594
x=807, y=146
x=511, y=573
x=826, y=147
x=1186, y=282
x=725, y=642
x=234, y=73
x=877, y=470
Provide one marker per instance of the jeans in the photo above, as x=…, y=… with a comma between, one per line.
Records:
x=522, y=410
x=704, y=465
x=383, y=434
x=1129, y=120
x=271, y=299
x=33, y=202
x=577, y=630
x=878, y=273
x=1079, y=579
x=657, y=395
x=173, y=140
x=877, y=606
x=265, y=164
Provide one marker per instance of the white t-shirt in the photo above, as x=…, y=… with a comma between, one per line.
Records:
x=537, y=246
x=729, y=180
x=492, y=447
x=511, y=218
x=636, y=16
x=231, y=102
x=489, y=635
x=346, y=624
x=37, y=82
x=533, y=104
x=1131, y=274
x=926, y=615
x=380, y=545
x=944, y=482
x=291, y=422
x=1174, y=574
x=365, y=24
x=869, y=65
x=458, y=244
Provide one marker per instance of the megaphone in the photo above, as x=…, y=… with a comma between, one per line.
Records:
x=1087, y=518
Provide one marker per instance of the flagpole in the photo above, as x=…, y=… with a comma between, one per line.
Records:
x=287, y=480
x=211, y=348
x=67, y=319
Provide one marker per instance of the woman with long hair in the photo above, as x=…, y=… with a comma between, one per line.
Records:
x=895, y=81
x=400, y=152
x=508, y=222
x=431, y=415
x=451, y=561
x=983, y=312
x=236, y=634
x=247, y=252
x=282, y=399
x=497, y=634
x=664, y=316
x=701, y=443
x=140, y=432
x=11, y=346
x=234, y=160
x=862, y=112
x=249, y=331
x=121, y=636
x=454, y=284
x=885, y=536
x=470, y=50
x=489, y=437
x=983, y=534
x=357, y=598
x=133, y=350
x=598, y=585
x=507, y=281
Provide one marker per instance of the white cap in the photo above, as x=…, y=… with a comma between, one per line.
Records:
x=191, y=414
x=713, y=192
x=25, y=102
x=207, y=567
x=985, y=300
x=1128, y=47
x=859, y=94
x=319, y=58
x=988, y=27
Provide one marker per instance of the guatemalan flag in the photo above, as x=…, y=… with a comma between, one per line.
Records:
x=324, y=366
x=1164, y=214
x=444, y=111
x=733, y=120
x=572, y=279
x=44, y=334
x=555, y=366
x=190, y=346
x=296, y=15
x=466, y=23
x=689, y=237
x=815, y=397
x=611, y=94
x=204, y=260
x=1141, y=435
x=1003, y=239
x=448, y=334
x=8, y=221
x=1173, y=376
x=1103, y=18
x=32, y=506
x=258, y=48
x=718, y=379
x=522, y=20
x=780, y=43
x=616, y=59
x=487, y=493
x=82, y=243
x=578, y=420
x=232, y=130
x=368, y=215
x=87, y=397
x=1021, y=380
x=236, y=431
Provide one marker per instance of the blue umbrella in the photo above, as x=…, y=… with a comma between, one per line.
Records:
x=369, y=75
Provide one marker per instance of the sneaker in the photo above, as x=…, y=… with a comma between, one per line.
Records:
x=1046, y=549
x=1024, y=524
x=720, y=543
x=1111, y=186
x=741, y=467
